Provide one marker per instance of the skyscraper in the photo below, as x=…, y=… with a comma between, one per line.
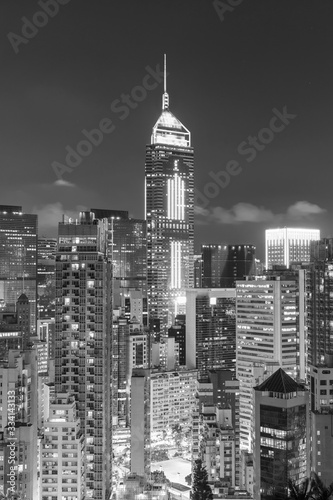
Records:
x=270, y=329
x=286, y=245
x=222, y=265
x=18, y=257
x=126, y=248
x=281, y=436
x=210, y=329
x=83, y=333
x=169, y=211
x=46, y=252
x=320, y=301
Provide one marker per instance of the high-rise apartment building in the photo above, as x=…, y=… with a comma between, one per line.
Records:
x=18, y=423
x=281, y=436
x=222, y=265
x=169, y=211
x=83, y=338
x=140, y=422
x=18, y=258
x=130, y=350
x=218, y=447
x=172, y=398
x=210, y=329
x=62, y=452
x=270, y=333
x=286, y=245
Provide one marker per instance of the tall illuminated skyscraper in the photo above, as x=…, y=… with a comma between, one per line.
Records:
x=169, y=211
x=270, y=333
x=83, y=336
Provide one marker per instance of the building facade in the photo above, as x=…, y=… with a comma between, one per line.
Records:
x=62, y=452
x=271, y=332
x=210, y=329
x=126, y=248
x=18, y=442
x=46, y=253
x=223, y=265
x=18, y=258
x=172, y=398
x=83, y=338
x=286, y=245
x=320, y=301
x=281, y=436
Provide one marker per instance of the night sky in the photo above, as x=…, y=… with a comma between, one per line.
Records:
x=225, y=79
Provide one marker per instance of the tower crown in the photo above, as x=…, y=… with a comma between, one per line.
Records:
x=168, y=129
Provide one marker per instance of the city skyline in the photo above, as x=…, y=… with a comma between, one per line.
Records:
x=53, y=91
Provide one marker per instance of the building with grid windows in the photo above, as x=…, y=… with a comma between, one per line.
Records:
x=62, y=451
x=18, y=403
x=210, y=329
x=18, y=258
x=222, y=265
x=169, y=211
x=271, y=332
x=286, y=245
x=126, y=248
x=83, y=337
x=172, y=398
x=281, y=436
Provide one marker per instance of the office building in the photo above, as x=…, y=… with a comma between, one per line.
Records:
x=178, y=332
x=126, y=248
x=222, y=265
x=210, y=329
x=197, y=271
x=320, y=301
x=169, y=211
x=83, y=338
x=46, y=253
x=15, y=327
x=18, y=258
x=281, y=436
x=62, y=452
x=286, y=245
x=271, y=333
x=321, y=404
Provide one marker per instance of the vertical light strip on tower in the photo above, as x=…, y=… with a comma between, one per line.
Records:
x=176, y=195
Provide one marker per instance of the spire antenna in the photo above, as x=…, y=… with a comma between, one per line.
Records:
x=165, y=97
x=165, y=73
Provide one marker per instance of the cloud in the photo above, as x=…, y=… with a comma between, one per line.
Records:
x=304, y=209
x=50, y=215
x=62, y=182
x=242, y=212
x=248, y=213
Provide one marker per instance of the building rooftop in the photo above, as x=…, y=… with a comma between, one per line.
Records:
x=280, y=382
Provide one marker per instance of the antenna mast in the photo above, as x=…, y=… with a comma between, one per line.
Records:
x=165, y=98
